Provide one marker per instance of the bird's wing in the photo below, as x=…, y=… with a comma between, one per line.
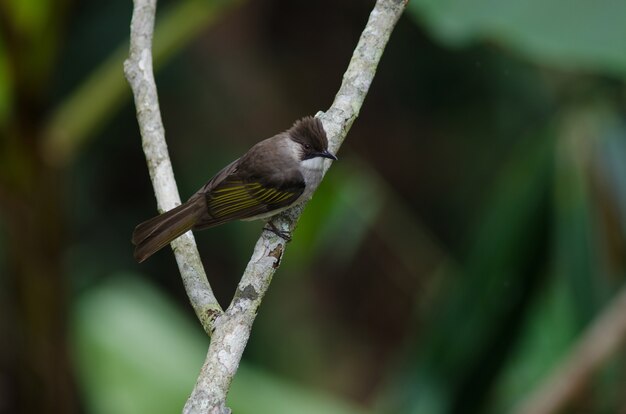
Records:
x=235, y=197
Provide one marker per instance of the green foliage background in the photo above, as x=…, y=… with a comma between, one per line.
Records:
x=474, y=227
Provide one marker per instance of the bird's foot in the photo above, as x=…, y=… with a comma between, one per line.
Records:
x=270, y=226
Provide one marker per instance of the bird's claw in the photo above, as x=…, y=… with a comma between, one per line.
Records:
x=271, y=227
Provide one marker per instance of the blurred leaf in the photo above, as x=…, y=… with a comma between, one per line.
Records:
x=465, y=343
x=567, y=33
x=578, y=289
x=339, y=215
x=548, y=333
x=576, y=258
x=356, y=204
x=137, y=353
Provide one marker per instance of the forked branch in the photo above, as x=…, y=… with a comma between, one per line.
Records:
x=230, y=329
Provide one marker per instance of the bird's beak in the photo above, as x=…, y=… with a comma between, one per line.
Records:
x=327, y=154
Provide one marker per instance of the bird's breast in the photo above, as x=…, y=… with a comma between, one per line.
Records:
x=311, y=170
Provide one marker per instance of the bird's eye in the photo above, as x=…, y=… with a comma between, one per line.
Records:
x=307, y=146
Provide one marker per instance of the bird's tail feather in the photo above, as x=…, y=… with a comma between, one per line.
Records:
x=156, y=233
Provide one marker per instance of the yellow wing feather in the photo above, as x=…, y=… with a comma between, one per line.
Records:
x=238, y=197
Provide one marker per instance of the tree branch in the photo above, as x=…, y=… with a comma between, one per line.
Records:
x=231, y=329
x=138, y=71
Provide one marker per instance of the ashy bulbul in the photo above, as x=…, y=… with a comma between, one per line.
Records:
x=272, y=176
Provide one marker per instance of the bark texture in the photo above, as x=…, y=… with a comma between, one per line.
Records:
x=230, y=329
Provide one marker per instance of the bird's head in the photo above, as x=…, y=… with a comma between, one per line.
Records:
x=309, y=133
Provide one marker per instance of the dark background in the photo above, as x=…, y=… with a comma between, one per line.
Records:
x=474, y=226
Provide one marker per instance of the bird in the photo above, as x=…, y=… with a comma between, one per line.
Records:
x=272, y=176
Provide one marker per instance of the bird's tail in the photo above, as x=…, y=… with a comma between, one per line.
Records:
x=156, y=233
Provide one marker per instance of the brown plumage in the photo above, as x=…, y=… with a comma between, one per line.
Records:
x=273, y=175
